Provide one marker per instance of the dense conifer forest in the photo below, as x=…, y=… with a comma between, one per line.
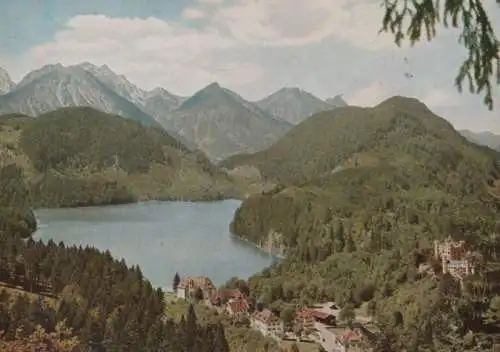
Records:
x=73, y=298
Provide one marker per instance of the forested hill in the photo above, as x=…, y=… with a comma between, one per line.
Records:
x=397, y=160
x=363, y=193
x=57, y=298
x=81, y=156
x=397, y=132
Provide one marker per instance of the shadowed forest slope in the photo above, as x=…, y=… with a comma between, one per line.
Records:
x=81, y=156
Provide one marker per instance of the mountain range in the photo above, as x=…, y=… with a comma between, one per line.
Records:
x=214, y=120
x=483, y=138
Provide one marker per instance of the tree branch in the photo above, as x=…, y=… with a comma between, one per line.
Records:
x=477, y=36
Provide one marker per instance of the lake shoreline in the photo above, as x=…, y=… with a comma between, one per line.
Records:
x=142, y=201
x=161, y=237
x=274, y=255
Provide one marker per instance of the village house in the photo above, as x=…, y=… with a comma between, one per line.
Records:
x=351, y=340
x=454, y=256
x=342, y=339
x=268, y=323
x=221, y=297
x=237, y=306
x=308, y=317
x=189, y=284
x=325, y=313
x=304, y=318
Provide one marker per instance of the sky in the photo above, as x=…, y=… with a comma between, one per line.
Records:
x=254, y=47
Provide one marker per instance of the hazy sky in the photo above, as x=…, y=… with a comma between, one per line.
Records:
x=254, y=47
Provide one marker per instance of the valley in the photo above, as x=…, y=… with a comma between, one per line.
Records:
x=351, y=199
x=250, y=176
x=358, y=204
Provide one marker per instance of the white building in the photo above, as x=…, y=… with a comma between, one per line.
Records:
x=188, y=286
x=267, y=323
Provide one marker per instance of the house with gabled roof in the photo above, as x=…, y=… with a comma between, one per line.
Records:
x=268, y=323
x=221, y=297
x=351, y=339
x=304, y=318
x=237, y=306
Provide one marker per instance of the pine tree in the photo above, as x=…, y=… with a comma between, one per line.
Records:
x=175, y=282
x=198, y=294
x=191, y=329
x=220, y=342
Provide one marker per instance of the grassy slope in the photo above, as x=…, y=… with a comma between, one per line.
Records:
x=69, y=157
x=401, y=178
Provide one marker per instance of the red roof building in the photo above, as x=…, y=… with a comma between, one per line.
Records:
x=305, y=318
x=221, y=297
x=237, y=306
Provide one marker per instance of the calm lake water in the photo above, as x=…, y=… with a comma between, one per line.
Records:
x=161, y=237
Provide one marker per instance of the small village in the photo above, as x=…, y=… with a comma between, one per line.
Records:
x=319, y=323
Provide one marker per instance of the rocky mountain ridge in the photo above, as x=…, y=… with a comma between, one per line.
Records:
x=215, y=120
x=6, y=83
x=55, y=86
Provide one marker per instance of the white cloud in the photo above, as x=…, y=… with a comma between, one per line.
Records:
x=297, y=22
x=210, y=2
x=155, y=52
x=150, y=51
x=255, y=47
x=438, y=98
x=190, y=13
x=370, y=95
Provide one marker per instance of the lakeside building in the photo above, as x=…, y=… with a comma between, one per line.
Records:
x=189, y=284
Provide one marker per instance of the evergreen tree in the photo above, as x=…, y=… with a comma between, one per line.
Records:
x=175, y=282
x=410, y=20
x=198, y=294
x=220, y=342
x=191, y=329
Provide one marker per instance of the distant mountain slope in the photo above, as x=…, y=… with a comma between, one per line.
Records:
x=159, y=102
x=82, y=156
x=117, y=83
x=292, y=105
x=484, y=138
x=6, y=83
x=221, y=123
x=336, y=101
x=54, y=86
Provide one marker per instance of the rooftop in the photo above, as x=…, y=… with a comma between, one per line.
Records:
x=202, y=282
